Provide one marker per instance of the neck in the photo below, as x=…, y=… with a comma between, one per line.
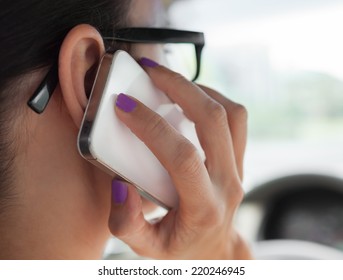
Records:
x=40, y=228
x=61, y=204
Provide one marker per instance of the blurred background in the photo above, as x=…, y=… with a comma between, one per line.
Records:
x=283, y=60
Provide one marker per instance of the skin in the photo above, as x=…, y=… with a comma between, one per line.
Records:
x=214, y=187
x=63, y=207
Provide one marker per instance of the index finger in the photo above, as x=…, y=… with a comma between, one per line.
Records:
x=179, y=157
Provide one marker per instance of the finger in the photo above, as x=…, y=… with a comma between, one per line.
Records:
x=209, y=116
x=179, y=157
x=126, y=220
x=237, y=118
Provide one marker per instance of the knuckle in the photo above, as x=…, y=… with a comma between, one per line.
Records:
x=214, y=217
x=216, y=112
x=176, y=80
x=122, y=228
x=116, y=230
x=155, y=127
x=186, y=159
x=213, y=214
x=240, y=112
x=236, y=195
x=209, y=217
x=124, y=231
x=239, y=195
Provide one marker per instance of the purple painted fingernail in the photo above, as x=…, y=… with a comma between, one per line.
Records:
x=119, y=192
x=125, y=103
x=148, y=62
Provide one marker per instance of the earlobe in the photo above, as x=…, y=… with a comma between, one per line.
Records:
x=80, y=53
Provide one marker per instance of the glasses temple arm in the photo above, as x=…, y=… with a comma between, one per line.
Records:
x=198, y=51
x=42, y=95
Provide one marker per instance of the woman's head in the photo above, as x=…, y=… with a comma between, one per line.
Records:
x=31, y=35
x=43, y=181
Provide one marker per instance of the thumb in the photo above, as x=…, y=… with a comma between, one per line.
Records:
x=126, y=220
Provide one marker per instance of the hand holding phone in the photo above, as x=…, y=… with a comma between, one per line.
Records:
x=201, y=227
x=107, y=143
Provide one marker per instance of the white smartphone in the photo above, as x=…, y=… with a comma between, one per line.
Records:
x=107, y=143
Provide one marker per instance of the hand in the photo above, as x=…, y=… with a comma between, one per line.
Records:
x=201, y=227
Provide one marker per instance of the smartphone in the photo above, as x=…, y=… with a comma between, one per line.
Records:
x=107, y=143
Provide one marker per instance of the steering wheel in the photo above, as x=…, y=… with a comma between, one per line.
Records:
x=286, y=249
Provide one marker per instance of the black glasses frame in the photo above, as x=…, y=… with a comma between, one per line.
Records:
x=40, y=99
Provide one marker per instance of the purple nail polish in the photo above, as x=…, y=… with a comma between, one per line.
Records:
x=148, y=62
x=119, y=192
x=125, y=103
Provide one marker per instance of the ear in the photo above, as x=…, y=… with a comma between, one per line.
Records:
x=79, y=56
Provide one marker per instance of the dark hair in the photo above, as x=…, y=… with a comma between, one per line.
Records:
x=31, y=33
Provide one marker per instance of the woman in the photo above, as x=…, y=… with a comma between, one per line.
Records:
x=54, y=204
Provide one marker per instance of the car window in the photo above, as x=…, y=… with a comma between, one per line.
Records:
x=283, y=60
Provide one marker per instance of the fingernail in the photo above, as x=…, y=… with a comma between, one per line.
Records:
x=119, y=192
x=148, y=62
x=125, y=103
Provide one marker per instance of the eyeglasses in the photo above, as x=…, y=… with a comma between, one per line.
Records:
x=39, y=100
